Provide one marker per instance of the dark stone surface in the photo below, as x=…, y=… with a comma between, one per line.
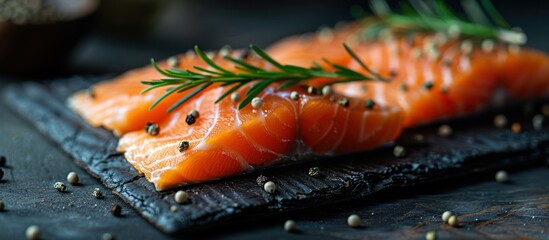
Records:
x=477, y=146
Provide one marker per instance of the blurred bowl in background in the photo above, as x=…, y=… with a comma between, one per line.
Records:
x=37, y=35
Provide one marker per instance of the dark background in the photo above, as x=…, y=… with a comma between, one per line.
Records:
x=124, y=34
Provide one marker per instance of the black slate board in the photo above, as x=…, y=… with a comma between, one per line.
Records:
x=476, y=146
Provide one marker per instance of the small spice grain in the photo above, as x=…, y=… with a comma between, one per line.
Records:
x=354, y=221
x=190, y=119
x=257, y=102
x=72, y=178
x=173, y=208
x=445, y=131
x=290, y=226
x=312, y=90
x=181, y=197
x=184, y=145
x=502, y=176
x=97, y=193
x=516, y=127
x=152, y=128
x=194, y=113
x=446, y=215
x=107, y=236
x=116, y=210
x=419, y=139
x=431, y=235
x=327, y=90
x=314, y=172
x=453, y=221
x=500, y=121
x=399, y=151
x=235, y=97
x=538, y=121
x=369, y=103
x=343, y=102
x=32, y=232
x=294, y=95
x=173, y=61
x=60, y=186
x=269, y=187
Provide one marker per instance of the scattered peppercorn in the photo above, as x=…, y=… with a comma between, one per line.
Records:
x=181, y=197
x=314, y=172
x=290, y=226
x=446, y=215
x=107, y=236
x=447, y=62
x=173, y=61
x=487, y=45
x=399, y=151
x=500, y=121
x=173, y=208
x=516, y=127
x=60, y=186
x=152, y=128
x=97, y=193
x=116, y=210
x=404, y=87
x=235, y=97
x=72, y=178
x=190, y=119
x=428, y=85
x=225, y=51
x=370, y=104
x=32, y=232
x=354, y=221
x=466, y=47
x=538, y=121
x=453, y=221
x=327, y=90
x=445, y=131
x=90, y=93
x=2, y=205
x=344, y=102
x=257, y=102
x=502, y=176
x=3, y=161
x=312, y=90
x=431, y=235
x=184, y=145
x=419, y=139
x=269, y=187
x=294, y=95
x=194, y=113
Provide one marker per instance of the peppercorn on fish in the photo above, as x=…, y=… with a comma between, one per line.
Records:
x=432, y=76
x=119, y=105
x=225, y=141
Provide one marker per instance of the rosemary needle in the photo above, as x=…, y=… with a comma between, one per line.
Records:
x=483, y=21
x=200, y=78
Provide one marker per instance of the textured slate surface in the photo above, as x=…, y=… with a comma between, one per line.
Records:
x=473, y=149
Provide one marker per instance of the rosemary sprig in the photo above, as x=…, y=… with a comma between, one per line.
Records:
x=483, y=20
x=289, y=75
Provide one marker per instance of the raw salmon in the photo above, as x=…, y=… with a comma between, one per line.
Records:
x=118, y=104
x=432, y=78
x=225, y=141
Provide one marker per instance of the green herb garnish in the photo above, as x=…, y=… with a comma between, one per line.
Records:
x=482, y=20
x=287, y=75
